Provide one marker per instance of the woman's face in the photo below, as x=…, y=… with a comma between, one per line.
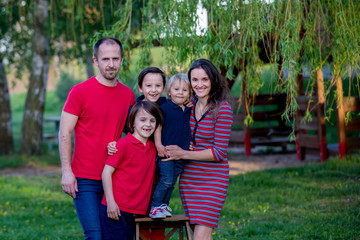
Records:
x=200, y=82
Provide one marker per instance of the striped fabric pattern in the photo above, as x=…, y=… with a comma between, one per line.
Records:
x=203, y=185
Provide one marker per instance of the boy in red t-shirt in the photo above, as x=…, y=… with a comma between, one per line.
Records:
x=151, y=82
x=128, y=174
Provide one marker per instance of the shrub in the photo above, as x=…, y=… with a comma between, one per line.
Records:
x=65, y=83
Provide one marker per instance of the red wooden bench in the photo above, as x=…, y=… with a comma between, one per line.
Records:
x=176, y=223
x=310, y=135
x=271, y=129
x=347, y=141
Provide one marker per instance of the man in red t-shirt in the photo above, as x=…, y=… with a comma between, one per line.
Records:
x=95, y=111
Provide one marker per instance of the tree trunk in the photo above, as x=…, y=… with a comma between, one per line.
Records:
x=32, y=126
x=89, y=66
x=6, y=137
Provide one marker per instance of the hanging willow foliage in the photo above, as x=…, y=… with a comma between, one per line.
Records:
x=290, y=34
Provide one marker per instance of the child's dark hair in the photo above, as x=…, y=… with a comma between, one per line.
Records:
x=151, y=108
x=108, y=40
x=150, y=70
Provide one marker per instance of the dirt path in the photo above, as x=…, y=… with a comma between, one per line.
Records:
x=31, y=169
x=239, y=164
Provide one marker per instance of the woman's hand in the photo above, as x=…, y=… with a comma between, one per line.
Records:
x=113, y=211
x=174, y=152
x=112, y=148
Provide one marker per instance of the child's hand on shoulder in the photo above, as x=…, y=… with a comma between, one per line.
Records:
x=111, y=147
x=188, y=103
x=191, y=147
x=161, y=150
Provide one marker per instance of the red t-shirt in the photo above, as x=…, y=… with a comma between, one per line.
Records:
x=133, y=177
x=102, y=114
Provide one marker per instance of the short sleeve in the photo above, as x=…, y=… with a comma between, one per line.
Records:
x=115, y=159
x=74, y=101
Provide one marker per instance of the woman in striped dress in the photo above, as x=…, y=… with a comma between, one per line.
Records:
x=204, y=182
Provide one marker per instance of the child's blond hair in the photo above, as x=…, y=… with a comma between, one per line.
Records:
x=178, y=76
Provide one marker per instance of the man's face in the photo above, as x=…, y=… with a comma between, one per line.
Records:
x=109, y=61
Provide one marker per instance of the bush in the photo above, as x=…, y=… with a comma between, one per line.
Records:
x=65, y=83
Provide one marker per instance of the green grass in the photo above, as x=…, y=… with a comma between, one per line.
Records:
x=319, y=201
x=35, y=208
x=316, y=201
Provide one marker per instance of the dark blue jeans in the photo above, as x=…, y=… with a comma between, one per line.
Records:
x=87, y=204
x=169, y=172
x=122, y=229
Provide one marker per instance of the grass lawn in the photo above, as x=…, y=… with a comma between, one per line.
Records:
x=317, y=201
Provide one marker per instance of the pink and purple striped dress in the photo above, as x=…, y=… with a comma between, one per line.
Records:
x=203, y=185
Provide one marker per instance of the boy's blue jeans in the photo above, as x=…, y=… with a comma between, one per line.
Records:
x=122, y=229
x=87, y=204
x=169, y=172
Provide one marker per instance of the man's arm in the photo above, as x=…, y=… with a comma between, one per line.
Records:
x=67, y=125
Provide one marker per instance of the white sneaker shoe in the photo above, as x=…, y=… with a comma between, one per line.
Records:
x=156, y=212
x=166, y=210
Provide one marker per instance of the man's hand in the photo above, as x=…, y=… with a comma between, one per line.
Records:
x=112, y=148
x=113, y=210
x=69, y=184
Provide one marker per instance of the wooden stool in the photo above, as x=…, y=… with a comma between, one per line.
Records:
x=176, y=222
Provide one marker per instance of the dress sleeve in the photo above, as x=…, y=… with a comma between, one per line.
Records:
x=223, y=123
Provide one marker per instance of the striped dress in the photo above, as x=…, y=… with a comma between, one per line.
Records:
x=203, y=185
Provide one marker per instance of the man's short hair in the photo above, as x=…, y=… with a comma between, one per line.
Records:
x=108, y=40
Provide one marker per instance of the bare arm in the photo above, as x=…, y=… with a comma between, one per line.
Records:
x=218, y=151
x=67, y=125
x=159, y=147
x=113, y=210
x=176, y=153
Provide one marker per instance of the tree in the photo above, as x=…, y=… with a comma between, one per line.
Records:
x=241, y=34
x=38, y=26
x=35, y=100
x=6, y=138
x=74, y=24
x=12, y=46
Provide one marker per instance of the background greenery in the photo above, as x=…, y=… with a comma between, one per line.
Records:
x=55, y=98
x=319, y=201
